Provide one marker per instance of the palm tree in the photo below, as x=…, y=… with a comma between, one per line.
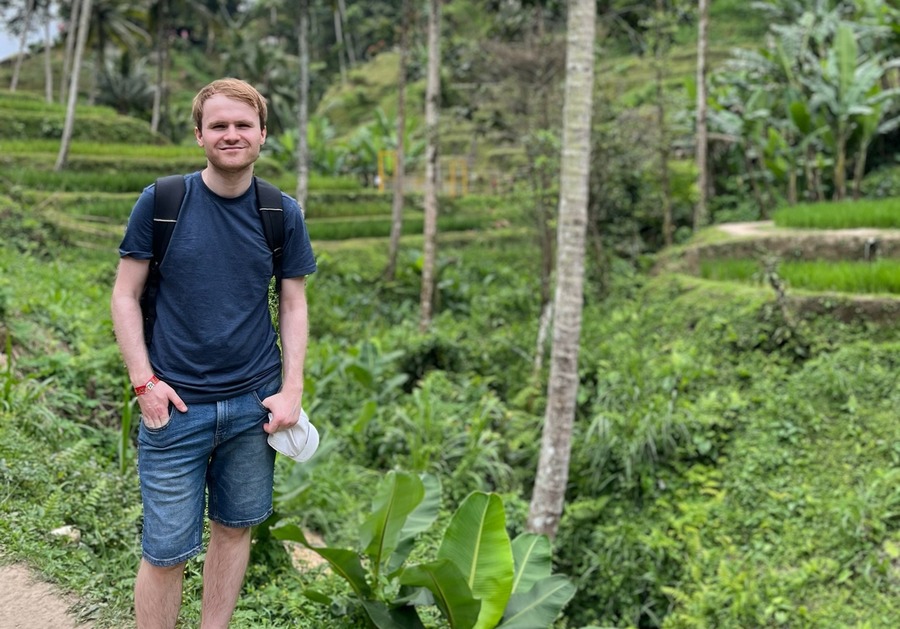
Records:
x=399, y=161
x=117, y=22
x=701, y=213
x=556, y=442
x=48, y=46
x=303, y=109
x=84, y=27
x=159, y=13
x=23, y=41
x=432, y=101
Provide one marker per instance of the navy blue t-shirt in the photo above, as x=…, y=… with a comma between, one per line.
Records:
x=213, y=338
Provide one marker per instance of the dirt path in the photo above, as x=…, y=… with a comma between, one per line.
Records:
x=27, y=603
x=762, y=228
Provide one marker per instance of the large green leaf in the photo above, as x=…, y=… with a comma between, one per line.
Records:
x=846, y=57
x=451, y=592
x=801, y=117
x=385, y=617
x=533, y=560
x=422, y=517
x=344, y=562
x=476, y=541
x=397, y=497
x=539, y=607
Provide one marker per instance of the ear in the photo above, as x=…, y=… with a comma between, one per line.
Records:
x=198, y=135
x=263, y=134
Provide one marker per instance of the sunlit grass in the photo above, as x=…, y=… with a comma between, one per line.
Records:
x=880, y=213
x=882, y=276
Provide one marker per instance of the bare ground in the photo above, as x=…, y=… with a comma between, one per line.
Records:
x=27, y=603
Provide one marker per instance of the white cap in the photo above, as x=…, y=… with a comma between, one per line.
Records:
x=298, y=442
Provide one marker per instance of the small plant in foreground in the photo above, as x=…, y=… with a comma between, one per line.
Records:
x=480, y=580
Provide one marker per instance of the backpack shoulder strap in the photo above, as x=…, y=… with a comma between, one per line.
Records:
x=271, y=212
x=169, y=196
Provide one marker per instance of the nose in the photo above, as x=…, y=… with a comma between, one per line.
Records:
x=231, y=133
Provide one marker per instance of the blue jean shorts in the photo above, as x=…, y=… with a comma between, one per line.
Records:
x=215, y=448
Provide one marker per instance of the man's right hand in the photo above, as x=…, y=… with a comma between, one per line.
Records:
x=155, y=405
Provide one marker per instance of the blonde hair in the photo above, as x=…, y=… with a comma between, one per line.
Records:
x=232, y=88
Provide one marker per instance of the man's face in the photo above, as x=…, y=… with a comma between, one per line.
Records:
x=231, y=136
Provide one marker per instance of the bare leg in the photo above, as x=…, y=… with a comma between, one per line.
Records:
x=157, y=595
x=223, y=573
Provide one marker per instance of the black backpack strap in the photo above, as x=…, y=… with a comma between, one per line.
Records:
x=169, y=195
x=271, y=212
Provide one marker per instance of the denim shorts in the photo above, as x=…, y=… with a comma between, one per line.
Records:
x=218, y=448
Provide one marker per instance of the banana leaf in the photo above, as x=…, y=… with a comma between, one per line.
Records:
x=476, y=542
x=450, y=590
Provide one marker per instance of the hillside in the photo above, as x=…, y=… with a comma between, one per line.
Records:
x=736, y=450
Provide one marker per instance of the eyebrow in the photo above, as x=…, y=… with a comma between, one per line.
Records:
x=214, y=121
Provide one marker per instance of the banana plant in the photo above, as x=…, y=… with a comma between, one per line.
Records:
x=846, y=91
x=478, y=579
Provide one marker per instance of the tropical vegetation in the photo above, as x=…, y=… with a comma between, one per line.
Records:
x=734, y=450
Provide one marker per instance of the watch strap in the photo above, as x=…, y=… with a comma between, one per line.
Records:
x=141, y=390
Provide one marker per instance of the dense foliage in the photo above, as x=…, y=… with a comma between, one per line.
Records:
x=734, y=466
x=735, y=459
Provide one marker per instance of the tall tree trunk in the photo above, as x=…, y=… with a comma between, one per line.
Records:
x=859, y=170
x=840, y=165
x=162, y=14
x=341, y=44
x=348, y=35
x=432, y=102
x=84, y=26
x=23, y=43
x=71, y=36
x=400, y=157
x=48, y=66
x=701, y=211
x=556, y=442
x=303, y=109
x=668, y=222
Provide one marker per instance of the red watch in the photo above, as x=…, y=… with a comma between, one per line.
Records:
x=141, y=390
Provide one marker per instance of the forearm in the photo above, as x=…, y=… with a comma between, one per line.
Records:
x=128, y=322
x=128, y=325
x=294, y=326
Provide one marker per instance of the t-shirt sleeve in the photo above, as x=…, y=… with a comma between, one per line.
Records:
x=138, y=240
x=298, y=259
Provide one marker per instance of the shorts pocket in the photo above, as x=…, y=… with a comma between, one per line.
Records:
x=270, y=388
x=159, y=429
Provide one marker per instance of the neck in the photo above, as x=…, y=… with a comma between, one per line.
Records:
x=227, y=184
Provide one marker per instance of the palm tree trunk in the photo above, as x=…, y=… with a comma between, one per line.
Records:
x=48, y=66
x=71, y=36
x=668, y=223
x=556, y=442
x=348, y=35
x=432, y=102
x=701, y=211
x=303, y=109
x=400, y=160
x=339, y=37
x=161, y=58
x=84, y=26
x=23, y=42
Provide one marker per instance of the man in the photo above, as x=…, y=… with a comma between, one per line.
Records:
x=212, y=374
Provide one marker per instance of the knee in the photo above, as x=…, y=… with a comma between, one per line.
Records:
x=227, y=533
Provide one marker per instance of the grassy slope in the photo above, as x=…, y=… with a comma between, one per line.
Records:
x=792, y=524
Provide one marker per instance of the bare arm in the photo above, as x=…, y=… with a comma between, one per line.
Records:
x=128, y=324
x=294, y=325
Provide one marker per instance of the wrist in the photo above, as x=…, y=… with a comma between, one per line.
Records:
x=147, y=386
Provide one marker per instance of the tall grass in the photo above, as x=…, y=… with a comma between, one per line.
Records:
x=880, y=277
x=880, y=213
